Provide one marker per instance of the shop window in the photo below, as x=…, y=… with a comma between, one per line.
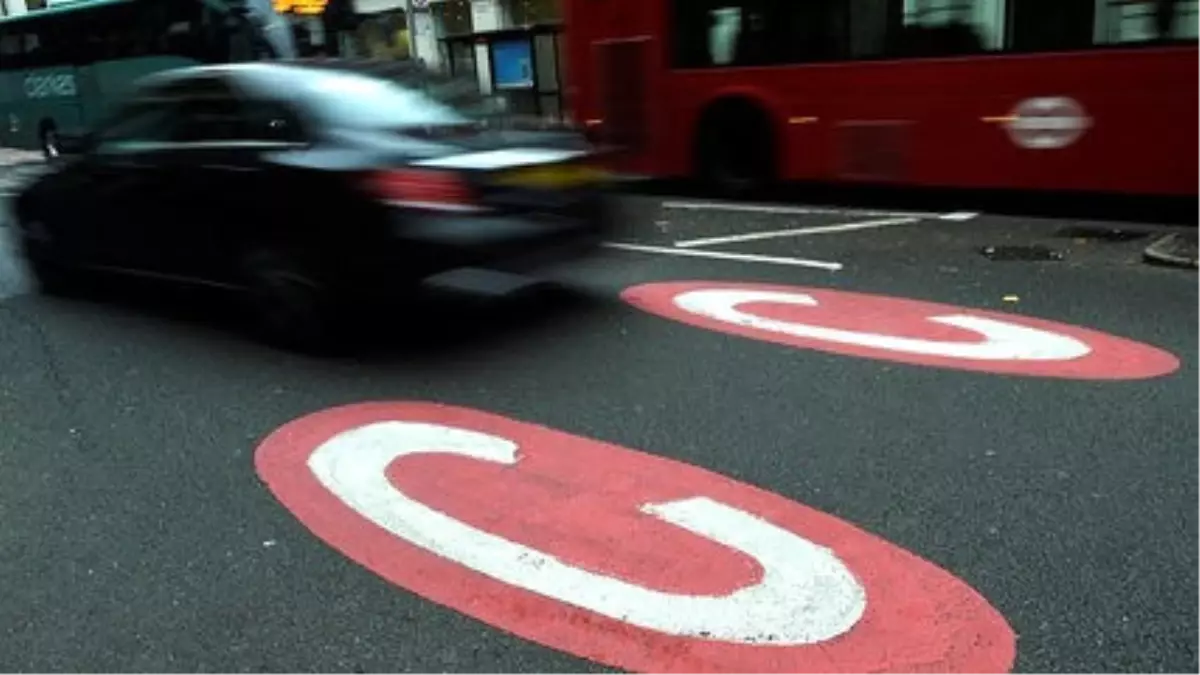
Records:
x=383, y=36
x=452, y=17
x=529, y=12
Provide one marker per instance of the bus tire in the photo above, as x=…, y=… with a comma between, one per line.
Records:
x=51, y=145
x=736, y=154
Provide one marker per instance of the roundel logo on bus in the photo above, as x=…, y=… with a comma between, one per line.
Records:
x=618, y=556
x=1047, y=122
x=50, y=85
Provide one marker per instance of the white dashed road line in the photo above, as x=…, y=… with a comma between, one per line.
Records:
x=806, y=210
x=796, y=232
x=721, y=255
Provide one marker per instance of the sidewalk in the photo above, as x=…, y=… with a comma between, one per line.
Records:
x=13, y=157
x=16, y=167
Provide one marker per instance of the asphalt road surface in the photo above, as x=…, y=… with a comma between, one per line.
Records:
x=137, y=534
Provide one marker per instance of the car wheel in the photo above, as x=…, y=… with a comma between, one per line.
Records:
x=53, y=277
x=288, y=304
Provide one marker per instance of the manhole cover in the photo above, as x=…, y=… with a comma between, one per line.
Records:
x=1034, y=253
x=1100, y=233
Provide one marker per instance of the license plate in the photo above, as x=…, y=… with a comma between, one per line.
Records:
x=552, y=177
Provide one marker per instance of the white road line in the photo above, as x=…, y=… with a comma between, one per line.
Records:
x=720, y=255
x=795, y=232
x=803, y=210
x=959, y=216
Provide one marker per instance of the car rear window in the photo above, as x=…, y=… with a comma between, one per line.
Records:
x=365, y=102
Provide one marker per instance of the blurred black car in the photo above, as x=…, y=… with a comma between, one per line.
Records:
x=310, y=191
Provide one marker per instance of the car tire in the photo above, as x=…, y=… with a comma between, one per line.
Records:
x=53, y=277
x=53, y=274
x=289, y=305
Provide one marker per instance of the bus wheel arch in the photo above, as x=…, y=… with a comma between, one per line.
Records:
x=736, y=149
x=48, y=137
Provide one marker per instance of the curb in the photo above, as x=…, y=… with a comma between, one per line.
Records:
x=1173, y=250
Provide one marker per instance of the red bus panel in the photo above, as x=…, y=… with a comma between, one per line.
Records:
x=1097, y=118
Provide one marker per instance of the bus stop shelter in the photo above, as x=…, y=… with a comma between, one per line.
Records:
x=522, y=65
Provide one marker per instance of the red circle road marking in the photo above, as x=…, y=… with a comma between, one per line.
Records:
x=618, y=556
x=899, y=329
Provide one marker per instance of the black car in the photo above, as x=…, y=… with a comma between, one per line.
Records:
x=311, y=191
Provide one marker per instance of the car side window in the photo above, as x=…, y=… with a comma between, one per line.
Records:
x=208, y=112
x=271, y=121
x=209, y=120
x=213, y=112
x=139, y=125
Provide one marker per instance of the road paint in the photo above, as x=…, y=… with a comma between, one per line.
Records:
x=722, y=255
x=903, y=330
x=782, y=210
x=629, y=559
x=960, y=216
x=501, y=159
x=796, y=232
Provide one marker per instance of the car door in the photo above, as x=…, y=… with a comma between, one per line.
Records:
x=124, y=184
x=207, y=174
x=227, y=137
x=233, y=151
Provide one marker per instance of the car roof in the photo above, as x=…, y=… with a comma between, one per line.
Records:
x=281, y=77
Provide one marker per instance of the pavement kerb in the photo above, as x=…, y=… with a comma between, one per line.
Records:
x=1161, y=252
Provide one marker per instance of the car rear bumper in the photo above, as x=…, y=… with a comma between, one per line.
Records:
x=428, y=243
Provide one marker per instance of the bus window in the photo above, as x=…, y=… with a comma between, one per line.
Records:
x=717, y=33
x=1052, y=26
x=722, y=33
x=175, y=28
x=1131, y=21
x=932, y=28
x=10, y=50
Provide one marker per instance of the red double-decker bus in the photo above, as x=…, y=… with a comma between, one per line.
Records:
x=1063, y=95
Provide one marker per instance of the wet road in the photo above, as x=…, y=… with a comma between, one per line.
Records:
x=137, y=534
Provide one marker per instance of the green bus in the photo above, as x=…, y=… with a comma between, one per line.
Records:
x=63, y=67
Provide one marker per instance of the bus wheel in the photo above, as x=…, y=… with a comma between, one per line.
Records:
x=51, y=146
x=735, y=152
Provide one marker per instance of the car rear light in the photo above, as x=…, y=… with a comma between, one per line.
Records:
x=593, y=131
x=437, y=190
